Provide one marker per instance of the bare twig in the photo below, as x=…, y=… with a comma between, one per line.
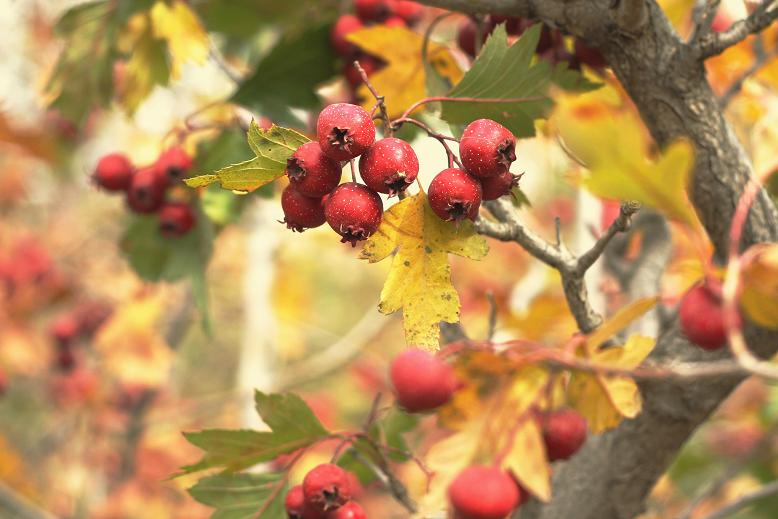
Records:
x=19, y=506
x=703, y=14
x=389, y=480
x=621, y=224
x=380, y=100
x=713, y=44
x=452, y=158
x=492, y=315
x=220, y=62
x=746, y=500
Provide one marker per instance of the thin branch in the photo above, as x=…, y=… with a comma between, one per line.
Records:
x=713, y=44
x=220, y=62
x=380, y=100
x=452, y=158
x=703, y=14
x=492, y=315
x=19, y=506
x=761, y=59
x=619, y=225
x=745, y=501
x=389, y=480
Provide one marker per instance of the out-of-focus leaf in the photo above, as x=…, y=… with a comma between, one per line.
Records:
x=759, y=297
x=174, y=22
x=390, y=431
x=419, y=281
x=245, y=17
x=571, y=80
x=288, y=414
x=288, y=76
x=620, y=320
x=31, y=141
x=238, y=496
x=146, y=68
x=527, y=460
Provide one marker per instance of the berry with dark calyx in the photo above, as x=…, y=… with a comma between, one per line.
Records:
x=421, y=381
x=301, y=212
x=175, y=163
x=344, y=26
x=589, y=56
x=501, y=185
x=326, y=487
x=345, y=131
x=481, y=492
x=564, y=432
x=114, y=172
x=373, y=10
x=297, y=508
x=176, y=219
x=354, y=211
x=487, y=148
x=454, y=195
x=409, y=11
x=351, y=510
x=389, y=166
x=311, y=172
x=701, y=316
x=146, y=193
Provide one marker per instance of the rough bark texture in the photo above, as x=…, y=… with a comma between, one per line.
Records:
x=612, y=475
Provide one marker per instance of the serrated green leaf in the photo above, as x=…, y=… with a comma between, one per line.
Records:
x=240, y=496
x=276, y=143
x=288, y=414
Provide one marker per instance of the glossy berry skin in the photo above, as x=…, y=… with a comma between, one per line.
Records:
x=501, y=185
x=175, y=163
x=487, y=148
x=345, y=131
x=564, y=432
x=454, y=195
x=301, y=212
x=344, y=26
x=389, y=166
x=176, y=219
x=353, y=211
x=373, y=10
x=311, y=172
x=481, y=492
x=421, y=381
x=297, y=508
x=146, y=193
x=113, y=172
x=409, y=11
x=326, y=487
x=351, y=510
x=701, y=316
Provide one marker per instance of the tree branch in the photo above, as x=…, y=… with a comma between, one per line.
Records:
x=712, y=44
x=19, y=506
x=745, y=500
x=621, y=224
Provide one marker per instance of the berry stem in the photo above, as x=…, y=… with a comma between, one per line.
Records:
x=380, y=100
x=353, y=171
x=452, y=159
x=437, y=99
x=428, y=36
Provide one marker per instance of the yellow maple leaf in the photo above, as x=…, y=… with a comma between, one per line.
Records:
x=403, y=81
x=419, y=280
x=608, y=136
x=176, y=23
x=759, y=297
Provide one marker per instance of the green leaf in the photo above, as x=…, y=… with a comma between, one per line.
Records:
x=272, y=148
x=519, y=198
x=243, y=18
x=242, y=496
x=503, y=72
x=288, y=414
x=572, y=80
x=390, y=431
x=288, y=76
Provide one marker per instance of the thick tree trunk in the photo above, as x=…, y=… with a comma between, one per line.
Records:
x=612, y=475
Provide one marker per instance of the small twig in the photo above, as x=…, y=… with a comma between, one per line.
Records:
x=620, y=224
x=492, y=315
x=220, y=62
x=702, y=15
x=452, y=158
x=19, y=506
x=452, y=332
x=380, y=100
x=353, y=171
x=745, y=500
x=388, y=479
x=712, y=44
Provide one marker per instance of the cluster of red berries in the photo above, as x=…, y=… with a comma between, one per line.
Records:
x=146, y=188
x=326, y=493
x=423, y=382
x=78, y=324
x=551, y=46
x=391, y=13
x=701, y=315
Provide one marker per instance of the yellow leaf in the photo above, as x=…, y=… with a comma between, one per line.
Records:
x=587, y=394
x=419, y=280
x=619, y=321
x=677, y=11
x=176, y=23
x=759, y=298
x=402, y=82
x=527, y=459
x=610, y=139
x=146, y=68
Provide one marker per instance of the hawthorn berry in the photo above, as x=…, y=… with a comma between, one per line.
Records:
x=564, y=432
x=297, y=508
x=113, y=172
x=481, y=492
x=487, y=148
x=301, y=212
x=174, y=163
x=495, y=187
x=344, y=26
x=345, y=131
x=351, y=510
x=395, y=21
x=421, y=380
x=389, y=166
x=326, y=487
x=311, y=172
x=64, y=329
x=409, y=11
x=701, y=315
x=373, y=10
x=353, y=211
x=454, y=195
x=176, y=219
x=146, y=193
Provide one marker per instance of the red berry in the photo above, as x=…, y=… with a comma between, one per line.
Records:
x=175, y=163
x=344, y=26
x=454, y=195
x=466, y=35
x=326, y=487
x=409, y=11
x=487, y=148
x=345, y=131
x=65, y=359
x=589, y=56
x=495, y=187
x=147, y=190
x=389, y=166
x=395, y=21
x=311, y=172
x=354, y=211
x=721, y=22
x=301, y=212
x=421, y=380
x=350, y=510
x=113, y=172
x=64, y=329
x=373, y=10
x=4, y=388
x=702, y=316
x=481, y=492
x=564, y=432
x=176, y=219
x=297, y=508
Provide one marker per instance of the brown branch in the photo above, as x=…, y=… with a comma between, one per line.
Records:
x=19, y=506
x=745, y=500
x=712, y=44
x=621, y=224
